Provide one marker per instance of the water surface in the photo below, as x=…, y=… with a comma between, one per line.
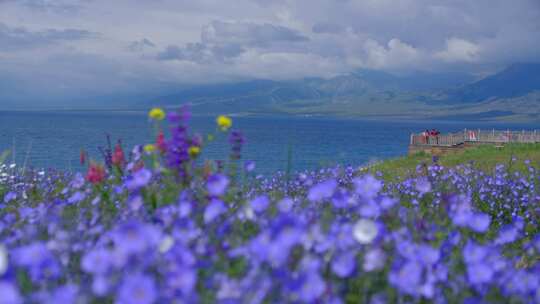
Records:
x=54, y=139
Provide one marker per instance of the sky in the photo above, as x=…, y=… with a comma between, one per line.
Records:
x=54, y=49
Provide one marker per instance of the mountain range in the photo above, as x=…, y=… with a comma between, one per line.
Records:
x=511, y=94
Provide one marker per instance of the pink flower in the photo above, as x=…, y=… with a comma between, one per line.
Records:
x=96, y=173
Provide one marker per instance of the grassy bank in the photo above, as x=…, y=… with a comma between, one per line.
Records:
x=484, y=158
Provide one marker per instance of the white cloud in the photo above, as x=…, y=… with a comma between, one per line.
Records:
x=458, y=50
x=395, y=55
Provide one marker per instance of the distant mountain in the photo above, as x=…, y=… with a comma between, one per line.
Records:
x=511, y=93
x=514, y=81
x=264, y=95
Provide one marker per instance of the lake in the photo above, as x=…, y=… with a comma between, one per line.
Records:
x=54, y=139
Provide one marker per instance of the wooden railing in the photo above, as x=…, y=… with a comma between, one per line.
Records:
x=481, y=136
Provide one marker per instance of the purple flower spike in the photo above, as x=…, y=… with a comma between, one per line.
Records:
x=217, y=184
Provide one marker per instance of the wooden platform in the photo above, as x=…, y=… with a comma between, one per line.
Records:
x=452, y=142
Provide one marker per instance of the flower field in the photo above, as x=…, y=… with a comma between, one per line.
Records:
x=163, y=225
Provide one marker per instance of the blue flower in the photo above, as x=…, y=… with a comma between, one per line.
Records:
x=479, y=222
x=322, y=190
x=344, y=264
x=313, y=287
x=134, y=237
x=97, y=261
x=423, y=186
x=213, y=210
x=217, y=184
x=9, y=293
x=367, y=186
x=65, y=294
x=260, y=203
x=137, y=289
x=139, y=179
x=285, y=205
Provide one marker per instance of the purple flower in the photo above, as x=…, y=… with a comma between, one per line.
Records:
x=38, y=260
x=249, y=166
x=213, y=210
x=341, y=198
x=407, y=278
x=183, y=280
x=100, y=285
x=312, y=288
x=479, y=273
x=285, y=205
x=423, y=186
x=322, y=190
x=76, y=197
x=139, y=179
x=260, y=203
x=179, y=143
x=427, y=255
x=137, y=289
x=65, y=294
x=9, y=293
x=479, y=222
x=133, y=237
x=217, y=184
x=343, y=265
x=10, y=196
x=32, y=255
x=374, y=259
x=97, y=261
x=237, y=140
x=367, y=186
x=480, y=269
x=507, y=234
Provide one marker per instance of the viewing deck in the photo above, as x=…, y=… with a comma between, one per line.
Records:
x=454, y=141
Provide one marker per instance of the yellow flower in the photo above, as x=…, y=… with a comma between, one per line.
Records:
x=149, y=148
x=156, y=114
x=224, y=122
x=194, y=151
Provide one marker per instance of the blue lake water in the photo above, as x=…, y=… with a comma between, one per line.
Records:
x=54, y=139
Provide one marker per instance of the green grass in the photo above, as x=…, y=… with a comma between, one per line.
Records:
x=484, y=158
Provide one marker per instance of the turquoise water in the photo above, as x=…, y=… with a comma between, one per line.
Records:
x=53, y=140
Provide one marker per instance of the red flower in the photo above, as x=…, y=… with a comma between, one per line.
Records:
x=96, y=173
x=82, y=157
x=118, y=157
x=160, y=142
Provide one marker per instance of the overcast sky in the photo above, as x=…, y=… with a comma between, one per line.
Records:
x=65, y=47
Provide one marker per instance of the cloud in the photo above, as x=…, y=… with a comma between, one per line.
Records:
x=140, y=45
x=56, y=6
x=249, y=34
x=396, y=54
x=20, y=38
x=183, y=42
x=224, y=41
x=327, y=28
x=459, y=50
